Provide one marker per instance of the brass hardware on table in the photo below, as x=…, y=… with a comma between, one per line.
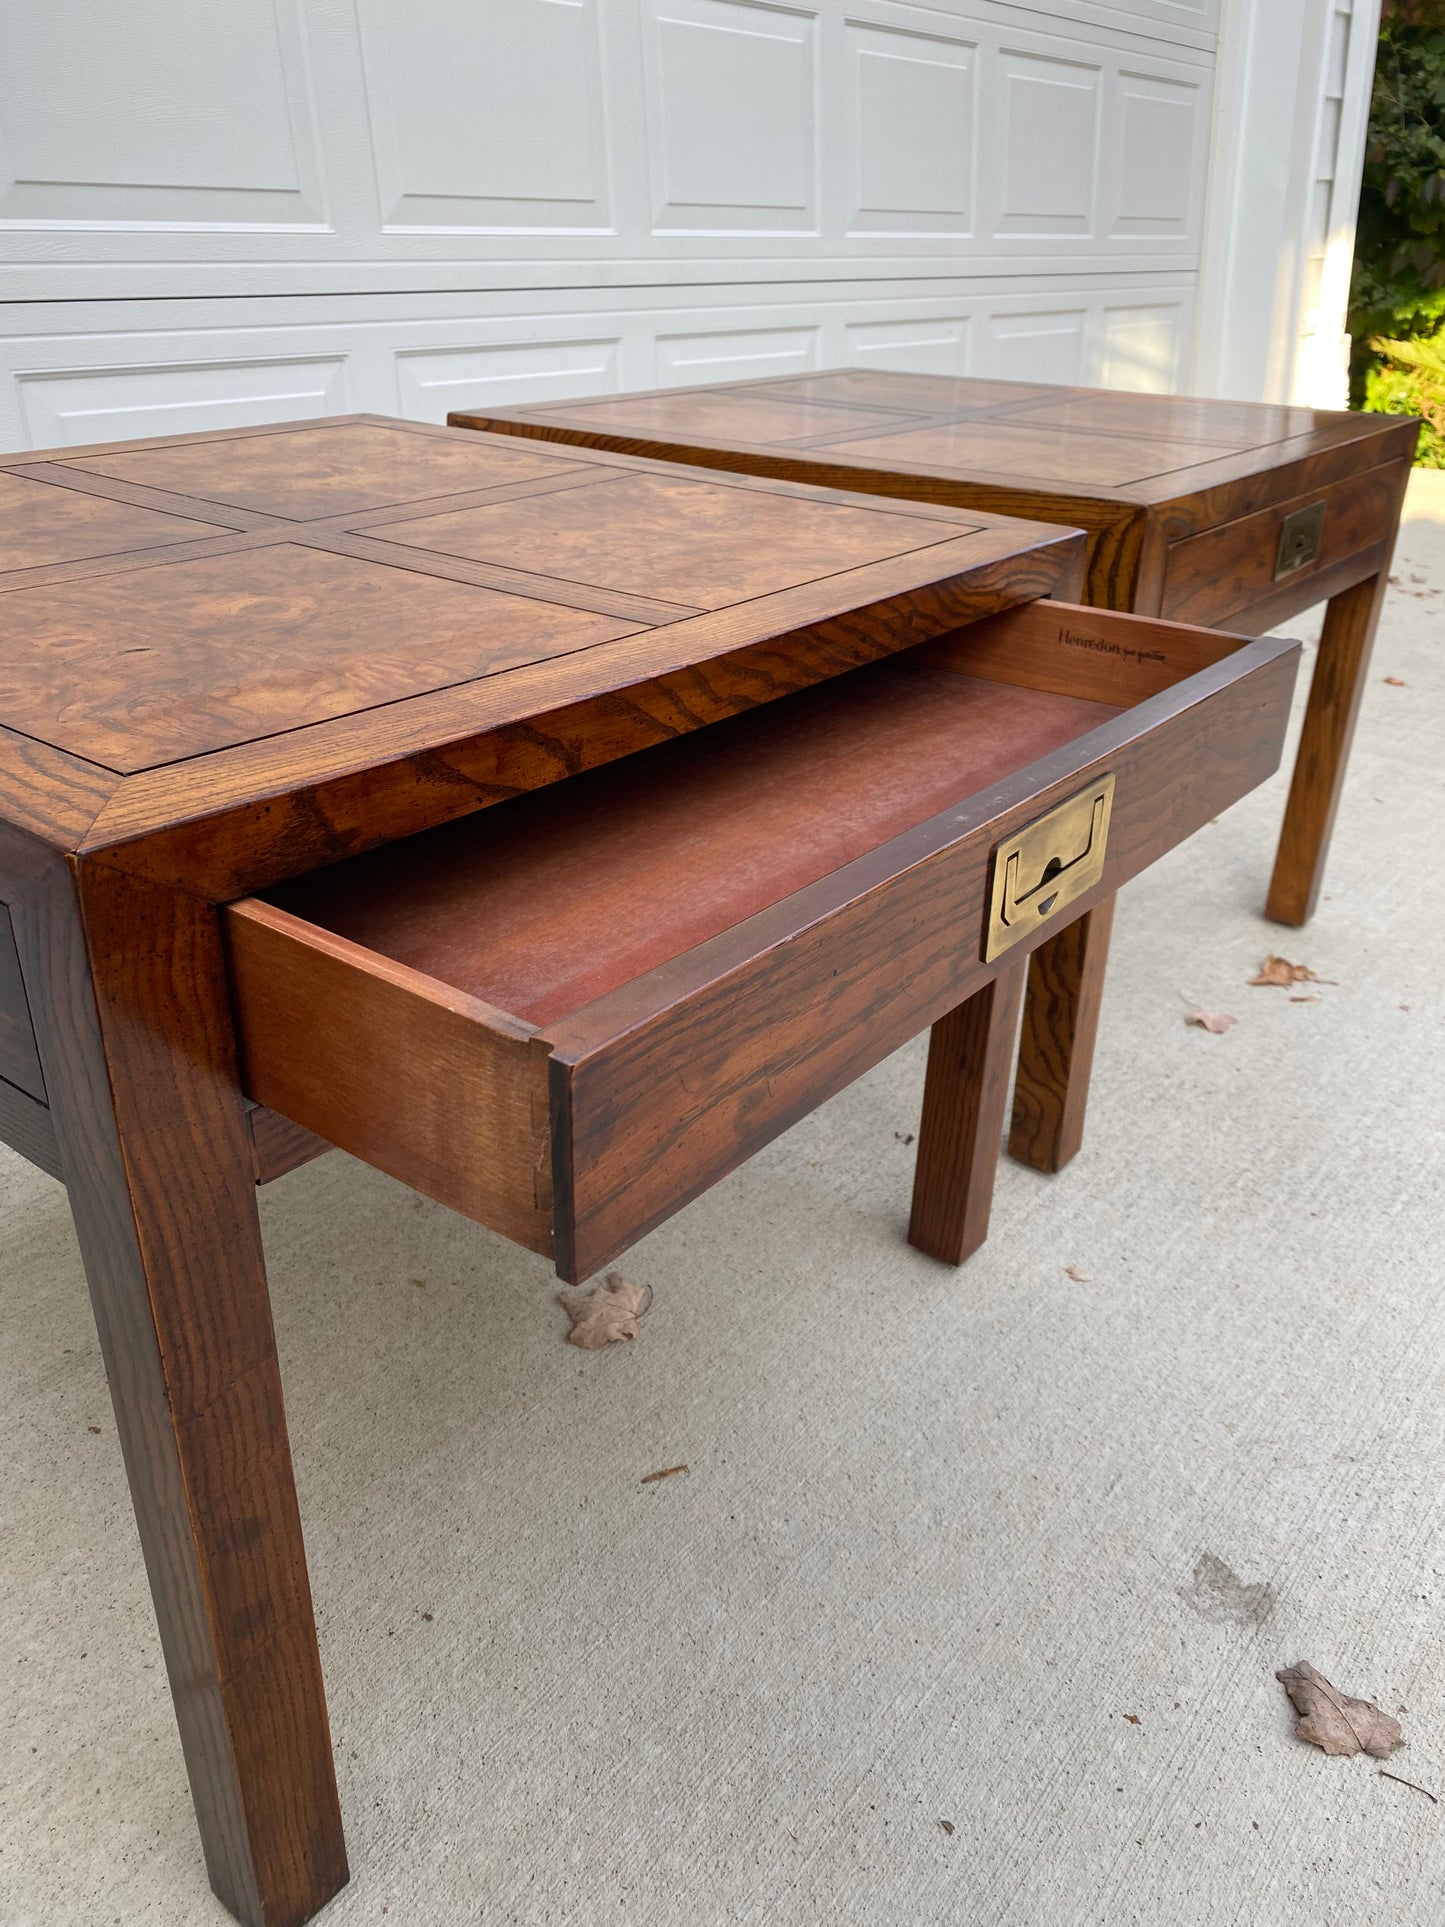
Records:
x=1043, y=869
x=1299, y=539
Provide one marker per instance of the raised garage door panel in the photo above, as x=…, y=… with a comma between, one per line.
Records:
x=659, y=191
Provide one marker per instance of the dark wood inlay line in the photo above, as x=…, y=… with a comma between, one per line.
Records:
x=129, y=560
x=614, y=451
x=1023, y=411
x=477, y=498
x=249, y=433
x=993, y=573
x=1042, y=431
x=168, y=501
x=593, y=599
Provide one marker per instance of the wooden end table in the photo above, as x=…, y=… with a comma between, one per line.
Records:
x=551, y=829
x=1234, y=514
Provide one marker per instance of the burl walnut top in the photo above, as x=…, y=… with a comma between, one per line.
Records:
x=192, y=624
x=1086, y=442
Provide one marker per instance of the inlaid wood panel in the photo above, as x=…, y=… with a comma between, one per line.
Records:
x=880, y=388
x=952, y=432
x=145, y=668
x=331, y=470
x=44, y=525
x=759, y=418
x=350, y=604
x=1044, y=454
x=682, y=541
x=379, y=579
x=1221, y=424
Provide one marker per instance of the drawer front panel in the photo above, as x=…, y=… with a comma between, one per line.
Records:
x=749, y=1033
x=19, y=1058
x=1226, y=571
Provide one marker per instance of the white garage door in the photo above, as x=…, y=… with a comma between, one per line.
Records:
x=218, y=212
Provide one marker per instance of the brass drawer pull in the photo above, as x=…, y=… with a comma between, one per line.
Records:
x=1039, y=872
x=1299, y=539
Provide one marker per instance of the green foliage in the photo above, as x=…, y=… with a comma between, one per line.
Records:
x=1397, y=300
x=1408, y=378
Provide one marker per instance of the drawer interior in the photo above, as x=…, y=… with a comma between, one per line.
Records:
x=569, y=1013
x=550, y=901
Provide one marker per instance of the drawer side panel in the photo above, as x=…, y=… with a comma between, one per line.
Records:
x=420, y=1080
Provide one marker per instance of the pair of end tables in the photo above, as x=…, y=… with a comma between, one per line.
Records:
x=551, y=827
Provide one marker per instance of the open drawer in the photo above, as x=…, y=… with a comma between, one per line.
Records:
x=569, y=1014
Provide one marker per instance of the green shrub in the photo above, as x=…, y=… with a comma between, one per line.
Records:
x=1408, y=378
x=1397, y=299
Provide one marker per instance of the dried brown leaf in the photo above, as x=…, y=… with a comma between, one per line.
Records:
x=667, y=1472
x=607, y=1314
x=1215, y=1021
x=1332, y=1721
x=1280, y=973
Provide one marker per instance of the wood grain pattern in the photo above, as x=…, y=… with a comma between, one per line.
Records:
x=45, y=525
x=429, y=1084
x=1213, y=424
x=259, y=643
x=1104, y=446
x=666, y=1084
x=327, y=469
x=47, y=795
x=278, y=1145
x=614, y=906
x=881, y=388
x=1233, y=566
x=676, y=538
x=233, y=658
x=549, y=902
x=760, y=417
x=27, y=1127
x=131, y=1013
x=965, y=1093
x=1016, y=448
x=1074, y=650
x=19, y=1056
x=1056, y=1050
x=1181, y=500
x=246, y=817
x=1336, y=690
x=286, y=639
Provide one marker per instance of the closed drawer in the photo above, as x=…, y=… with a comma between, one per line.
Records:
x=1229, y=570
x=571, y=1013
